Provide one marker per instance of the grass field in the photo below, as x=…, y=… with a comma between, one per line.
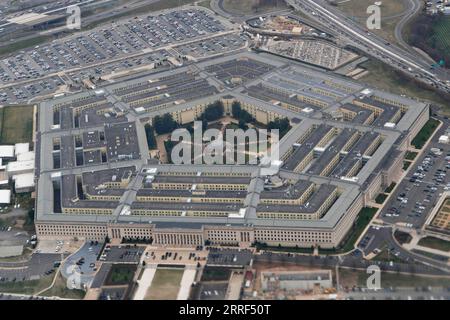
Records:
x=402, y=237
x=390, y=188
x=435, y=243
x=390, y=15
x=431, y=255
x=430, y=34
x=120, y=274
x=205, y=3
x=250, y=6
x=26, y=287
x=17, y=46
x=385, y=78
x=425, y=133
x=410, y=155
x=406, y=165
x=358, y=8
x=165, y=284
x=60, y=289
x=16, y=124
x=381, y=198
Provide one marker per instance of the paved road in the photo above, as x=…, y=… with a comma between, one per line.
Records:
x=411, y=64
x=84, y=271
x=35, y=267
x=419, y=191
x=217, y=6
x=379, y=237
x=353, y=261
x=412, y=11
x=398, y=294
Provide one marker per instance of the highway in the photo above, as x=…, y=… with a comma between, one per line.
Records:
x=57, y=10
x=412, y=10
x=373, y=45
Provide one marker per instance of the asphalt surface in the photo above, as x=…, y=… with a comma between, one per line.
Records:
x=353, y=261
x=81, y=264
x=123, y=253
x=399, y=294
x=412, y=10
x=229, y=257
x=36, y=267
x=37, y=72
x=421, y=198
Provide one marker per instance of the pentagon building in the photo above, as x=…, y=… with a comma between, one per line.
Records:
x=95, y=177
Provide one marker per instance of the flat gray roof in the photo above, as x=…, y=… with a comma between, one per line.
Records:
x=124, y=140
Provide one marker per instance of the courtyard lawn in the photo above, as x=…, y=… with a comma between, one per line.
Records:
x=410, y=155
x=381, y=198
x=165, y=284
x=435, y=243
x=425, y=133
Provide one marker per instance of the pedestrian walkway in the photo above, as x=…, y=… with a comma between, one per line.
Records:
x=145, y=282
x=186, y=283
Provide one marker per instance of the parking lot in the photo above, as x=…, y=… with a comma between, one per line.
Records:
x=180, y=256
x=229, y=257
x=212, y=46
x=25, y=92
x=82, y=263
x=378, y=239
x=418, y=193
x=129, y=44
x=115, y=67
x=122, y=254
x=213, y=291
x=39, y=265
x=119, y=39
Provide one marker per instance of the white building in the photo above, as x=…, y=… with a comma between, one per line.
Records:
x=24, y=182
x=19, y=167
x=25, y=156
x=21, y=148
x=5, y=196
x=7, y=152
